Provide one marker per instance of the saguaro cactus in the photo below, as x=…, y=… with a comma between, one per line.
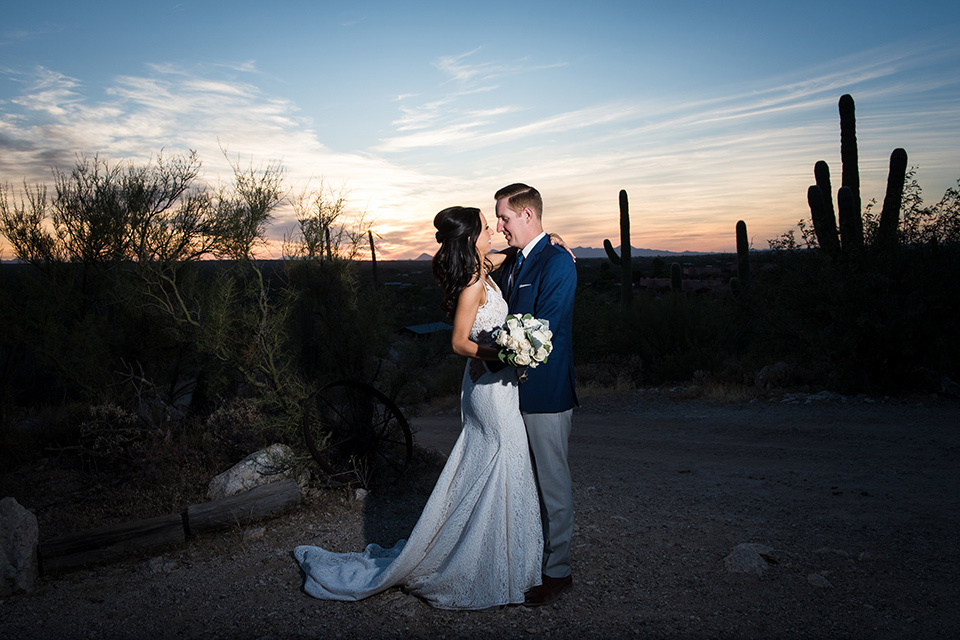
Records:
x=676, y=278
x=624, y=260
x=743, y=255
x=849, y=211
x=740, y=285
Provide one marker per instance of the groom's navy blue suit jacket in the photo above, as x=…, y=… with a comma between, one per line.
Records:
x=545, y=287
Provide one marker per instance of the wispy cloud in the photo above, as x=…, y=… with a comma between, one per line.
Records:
x=443, y=120
x=50, y=92
x=459, y=69
x=15, y=37
x=250, y=66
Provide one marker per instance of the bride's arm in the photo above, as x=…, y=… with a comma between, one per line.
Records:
x=467, y=305
x=496, y=258
x=557, y=240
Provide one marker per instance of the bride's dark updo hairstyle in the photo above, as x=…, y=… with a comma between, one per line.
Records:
x=455, y=264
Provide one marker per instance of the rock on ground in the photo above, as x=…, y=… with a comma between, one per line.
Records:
x=19, y=537
x=264, y=466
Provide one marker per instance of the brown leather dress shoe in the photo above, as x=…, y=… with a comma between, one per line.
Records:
x=547, y=592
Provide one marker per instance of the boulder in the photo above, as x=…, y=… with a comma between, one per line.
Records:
x=19, y=540
x=749, y=558
x=263, y=467
x=819, y=580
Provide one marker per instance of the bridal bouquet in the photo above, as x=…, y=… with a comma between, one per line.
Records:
x=524, y=341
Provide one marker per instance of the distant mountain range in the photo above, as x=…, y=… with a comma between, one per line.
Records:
x=591, y=252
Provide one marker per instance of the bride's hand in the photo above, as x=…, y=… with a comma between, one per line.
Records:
x=557, y=240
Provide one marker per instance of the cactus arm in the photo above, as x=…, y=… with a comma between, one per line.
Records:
x=823, y=223
x=611, y=252
x=892, y=201
x=824, y=218
x=821, y=175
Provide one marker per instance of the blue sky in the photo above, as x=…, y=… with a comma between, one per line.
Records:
x=706, y=113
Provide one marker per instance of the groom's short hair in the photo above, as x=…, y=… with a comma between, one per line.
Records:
x=519, y=196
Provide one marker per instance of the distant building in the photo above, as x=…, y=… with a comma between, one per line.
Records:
x=425, y=329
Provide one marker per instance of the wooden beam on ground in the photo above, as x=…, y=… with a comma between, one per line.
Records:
x=114, y=542
x=110, y=543
x=266, y=500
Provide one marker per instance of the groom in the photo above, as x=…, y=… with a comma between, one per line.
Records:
x=541, y=279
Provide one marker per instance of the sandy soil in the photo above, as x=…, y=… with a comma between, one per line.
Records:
x=858, y=502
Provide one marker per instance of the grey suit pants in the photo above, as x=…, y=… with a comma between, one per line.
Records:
x=548, y=435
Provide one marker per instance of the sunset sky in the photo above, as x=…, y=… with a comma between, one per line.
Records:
x=705, y=112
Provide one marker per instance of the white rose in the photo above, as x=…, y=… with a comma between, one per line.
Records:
x=511, y=323
x=522, y=360
x=541, y=354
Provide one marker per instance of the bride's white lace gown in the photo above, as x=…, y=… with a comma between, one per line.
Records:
x=478, y=542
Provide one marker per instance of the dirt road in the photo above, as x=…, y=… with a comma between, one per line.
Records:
x=856, y=504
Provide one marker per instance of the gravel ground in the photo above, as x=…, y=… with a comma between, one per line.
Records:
x=856, y=502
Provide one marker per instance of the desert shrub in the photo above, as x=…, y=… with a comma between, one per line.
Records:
x=678, y=334
x=230, y=432
x=112, y=438
x=337, y=331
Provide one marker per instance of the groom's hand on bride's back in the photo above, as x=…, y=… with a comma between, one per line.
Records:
x=477, y=369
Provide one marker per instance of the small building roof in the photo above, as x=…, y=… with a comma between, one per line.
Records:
x=432, y=327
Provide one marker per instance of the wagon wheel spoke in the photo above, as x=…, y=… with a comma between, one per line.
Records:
x=365, y=432
x=395, y=465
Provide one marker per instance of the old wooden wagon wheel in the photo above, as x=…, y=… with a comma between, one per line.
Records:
x=357, y=434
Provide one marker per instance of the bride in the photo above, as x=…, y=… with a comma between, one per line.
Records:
x=478, y=542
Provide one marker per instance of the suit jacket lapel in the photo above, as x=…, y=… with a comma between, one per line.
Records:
x=527, y=265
